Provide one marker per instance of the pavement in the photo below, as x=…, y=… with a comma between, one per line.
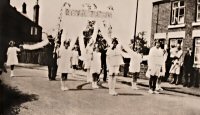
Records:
x=127, y=80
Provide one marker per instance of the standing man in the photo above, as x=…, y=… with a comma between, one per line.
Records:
x=187, y=66
x=50, y=61
x=155, y=63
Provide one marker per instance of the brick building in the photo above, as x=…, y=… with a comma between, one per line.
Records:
x=177, y=23
x=17, y=26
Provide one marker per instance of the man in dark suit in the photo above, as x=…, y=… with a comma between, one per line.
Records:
x=188, y=69
x=50, y=58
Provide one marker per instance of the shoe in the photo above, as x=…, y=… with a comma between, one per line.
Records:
x=155, y=92
x=134, y=87
x=150, y=91
x=113, y=93
x=64, y=88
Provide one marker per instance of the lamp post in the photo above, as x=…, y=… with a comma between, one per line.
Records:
x=134, y=39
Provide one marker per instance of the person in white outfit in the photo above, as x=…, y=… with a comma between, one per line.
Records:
x=155, y=63
x=12, y=59
x=95, y=67
x=114, y=60
x=162, y=74
x=176, y=66
x=89, y=50
x=64, y=66
x=134, y=69
x=75, y=57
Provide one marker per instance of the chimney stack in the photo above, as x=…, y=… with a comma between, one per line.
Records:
x=24, y=8
x=36, y=13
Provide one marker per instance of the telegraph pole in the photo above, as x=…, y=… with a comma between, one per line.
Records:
x=134, y=39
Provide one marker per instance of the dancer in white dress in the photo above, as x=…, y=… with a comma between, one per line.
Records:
x=95, y=67
x=134, y=69
x=155, y=64
x=114, y=60
x=75, y=57
x=12, y=59
x=87, y=62
x=64, y=66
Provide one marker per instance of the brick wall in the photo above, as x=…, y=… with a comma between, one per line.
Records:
x=164, y=14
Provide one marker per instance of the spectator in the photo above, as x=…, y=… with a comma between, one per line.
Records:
x=187, y=65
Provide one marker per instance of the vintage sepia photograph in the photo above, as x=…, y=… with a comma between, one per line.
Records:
x=99, y=57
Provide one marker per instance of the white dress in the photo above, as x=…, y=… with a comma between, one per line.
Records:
x=75, y=57
x=176, y=66
x=95, y=63
x=136, y=59
x=155, y=61
x=114, y=60
x=88, y=57
x=64, y=64
x=12, y=56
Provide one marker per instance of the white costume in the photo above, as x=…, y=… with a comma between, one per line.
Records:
x=88, y=57
x=75, y=57
x=176, y=66
x=155, y=61
x=64, y=64
x=136, y=59
x=114, y=60
x=95, y=63
x=12, y=56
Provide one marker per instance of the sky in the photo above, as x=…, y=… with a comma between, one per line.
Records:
x=124, y=9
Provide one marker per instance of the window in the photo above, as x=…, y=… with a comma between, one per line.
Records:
x=178, y=12
x=197, y=51
x=34, y=30
x=198, y=10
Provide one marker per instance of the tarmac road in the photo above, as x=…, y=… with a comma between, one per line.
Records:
x=81, y=99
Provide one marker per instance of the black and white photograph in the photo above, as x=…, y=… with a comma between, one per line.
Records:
x=99, y=57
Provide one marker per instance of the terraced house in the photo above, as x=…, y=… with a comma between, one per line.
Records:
x=177, y=23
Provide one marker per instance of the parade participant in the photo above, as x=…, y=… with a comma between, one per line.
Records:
x=89, y=50
x=176, y=66
x=55, y=60
x=64, y=66
x=162, y=73
x=134, y=69
x=12, y=59
x=95, y=66
x=74, y=59
x=155, y=63
x=114, y=59
x=102, y=45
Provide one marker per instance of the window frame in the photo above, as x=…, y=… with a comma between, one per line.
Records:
x=198, y=11
x=175, y=13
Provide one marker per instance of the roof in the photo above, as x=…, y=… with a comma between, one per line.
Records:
x=160, y=1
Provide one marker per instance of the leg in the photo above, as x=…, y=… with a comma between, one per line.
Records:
x=49, y=72
x=151, y=84
x=186, y=79
x=134, y=83
x=63, y=87
x=95, y=79
x=158, y=87
x=154, y=83
x=12, y=70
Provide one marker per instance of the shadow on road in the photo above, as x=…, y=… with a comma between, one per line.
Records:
x=130, y=94
x=11, y=99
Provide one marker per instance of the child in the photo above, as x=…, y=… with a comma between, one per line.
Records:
x=64, y=63
x=114, y=61
x=75, y=58
x=95, y=66
x=87, y=62
x=136, y=59
x=12, y=59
